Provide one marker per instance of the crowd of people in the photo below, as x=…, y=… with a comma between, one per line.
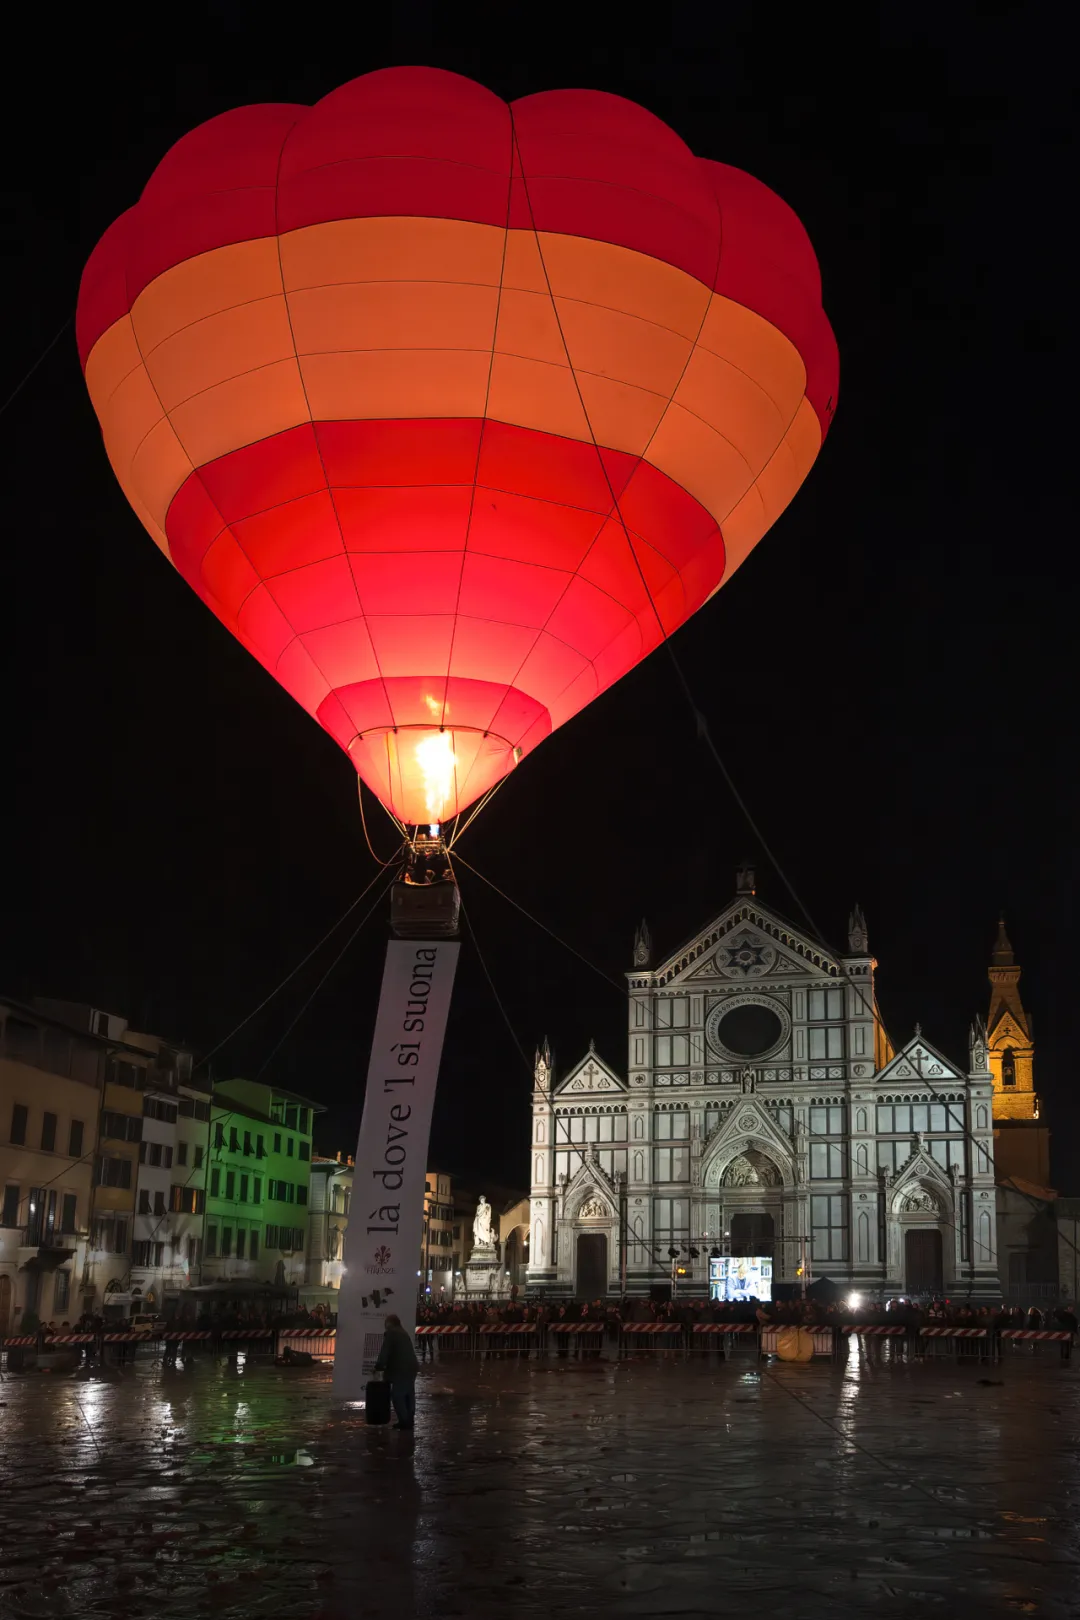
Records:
x=808, y=1312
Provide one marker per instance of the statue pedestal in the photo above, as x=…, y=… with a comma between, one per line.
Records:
x=482, y=1272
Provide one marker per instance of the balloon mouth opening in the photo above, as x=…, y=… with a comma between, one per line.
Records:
x=427, y=775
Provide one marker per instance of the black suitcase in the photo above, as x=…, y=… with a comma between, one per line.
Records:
x=377, y=1403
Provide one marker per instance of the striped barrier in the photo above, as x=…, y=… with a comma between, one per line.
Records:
x=875, y=1332
x=443, y=1328
x=953, y=1333
x=128, y=1338
x=721, y=1338
x=966, y=1341
x=508, y=1327
x=247, y=1333
x=181, y=1335
x=22, y=1341
x=69, y=1338
x=651, y=1335
x=1034, y=1333
x=724, y=1327
x=576, y=1327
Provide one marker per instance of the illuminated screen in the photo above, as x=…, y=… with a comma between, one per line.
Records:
x=741, y=1277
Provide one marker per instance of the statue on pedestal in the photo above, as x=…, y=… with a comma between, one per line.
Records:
x=481, y=1227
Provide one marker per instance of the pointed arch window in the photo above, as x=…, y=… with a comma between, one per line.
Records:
x=1008, y=1067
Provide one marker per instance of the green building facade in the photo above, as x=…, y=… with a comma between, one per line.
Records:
x=258, y=1184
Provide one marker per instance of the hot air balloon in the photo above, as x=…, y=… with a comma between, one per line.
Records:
x=451, y=410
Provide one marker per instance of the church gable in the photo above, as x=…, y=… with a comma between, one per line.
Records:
x=1008, y=1032
x=746, y=1128
x=744, y=944
x=918, y=1060
x=591, y=1075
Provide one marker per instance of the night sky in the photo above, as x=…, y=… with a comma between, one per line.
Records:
x=888, y=678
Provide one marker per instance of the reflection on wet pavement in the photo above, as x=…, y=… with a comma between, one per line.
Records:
x=642, y=1488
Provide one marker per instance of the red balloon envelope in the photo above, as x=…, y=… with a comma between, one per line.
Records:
x=451, y=409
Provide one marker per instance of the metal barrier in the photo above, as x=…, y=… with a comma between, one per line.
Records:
x=650, y=1335
x=1033, y=1336
x=722, y=1338
x=958, y=1341
x=507, y=1338
x=825, y=1340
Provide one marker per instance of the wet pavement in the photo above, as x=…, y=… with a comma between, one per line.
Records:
x=649, y=1487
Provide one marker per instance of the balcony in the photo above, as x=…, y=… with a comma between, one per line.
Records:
x=41, y=1250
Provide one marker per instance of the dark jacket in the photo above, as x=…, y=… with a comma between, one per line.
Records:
x=397, y=1358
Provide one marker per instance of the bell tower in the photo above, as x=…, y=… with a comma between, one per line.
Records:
x=1021, y=1141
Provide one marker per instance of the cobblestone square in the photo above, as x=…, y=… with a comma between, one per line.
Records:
x=648, y=1486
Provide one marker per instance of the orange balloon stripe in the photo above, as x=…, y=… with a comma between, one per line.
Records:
x=214, y=356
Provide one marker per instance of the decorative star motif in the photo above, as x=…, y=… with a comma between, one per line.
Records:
x=745, y=957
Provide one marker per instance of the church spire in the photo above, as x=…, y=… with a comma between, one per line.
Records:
x=642, y=945
x=1002, y=955
x=1012, y=1064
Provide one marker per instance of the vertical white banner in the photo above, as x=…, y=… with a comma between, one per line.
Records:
x=386, y=1213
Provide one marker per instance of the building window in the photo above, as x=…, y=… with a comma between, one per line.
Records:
x=241, y=1241
x=61, y=1292
x=827, y=1161
x=194, y=1251
x=247, y=1144
x=230, y=1183
x=75, y=1139
x=10, y=1215
x=234, y=1139
x=290, y=1116
x=260, y=1148
x=140, y=1252
x=305, y=1150
x=155, y=1108
x=159, y=1255
x=949, y=1150
x=243, y=1189
x=121, y=1127
x=67, y=1212
x=828, y=1227
x=256, y=1189
x=301, y=1195
x=19, y=1117
x=185, y=1200
x=198, y=1156
x=277, y=1141
x=253, y=1244
x=159, y=1203
x=48, y=1133
x=144, y=1201
x=671, y=1164
x=305, y=1120
x=181, y=1153
x=226, y=1242
x=672, y=1127
x=1008, y=1074
x=215, y=1182
x=219, y=1136
x=671, y=1221
x=826, y=1044
x=824, y=1005
x=289, y=1146
x=904, y=1119
x=112, y=1172
x=211, y=1242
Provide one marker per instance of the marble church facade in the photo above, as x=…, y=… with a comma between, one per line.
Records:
x=761, y=1111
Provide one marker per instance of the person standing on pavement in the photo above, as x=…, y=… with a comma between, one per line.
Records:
x=397, y=1359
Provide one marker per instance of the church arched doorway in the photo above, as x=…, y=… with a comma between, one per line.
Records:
x=592, y=1265
x=922, y=1260
x=752, y=1233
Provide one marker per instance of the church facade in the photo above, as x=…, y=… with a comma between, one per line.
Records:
x=762, y=1113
